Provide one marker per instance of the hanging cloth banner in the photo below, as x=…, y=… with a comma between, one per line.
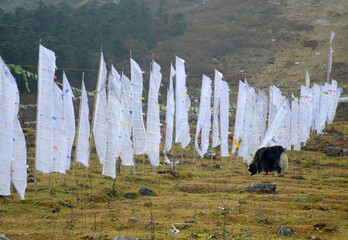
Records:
x=126, y=148
x=316, y=108
x=100, y=114
x=82, y=146
x=217, y=94
x=306, y=113
x=170, y=111
x=69, y=118
x=204, y=117
x=294, y=117
x=114, y=113
x=332, y=35
x=9, y=105
x=275, y=125
x=60, y=141
x=224, y=118
x=333, y=96
x=45, y=111
x=168, y=162
x=183, y=103
x=153, y=135
x=139, y=133
x=238, y=126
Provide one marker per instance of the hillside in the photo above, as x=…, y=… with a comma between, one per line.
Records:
x=266, y=41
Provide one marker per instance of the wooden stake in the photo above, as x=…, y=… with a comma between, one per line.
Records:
x=49, y=183
x=78, y=129
x=182, y=159
x=174, y=159
x=144, y=163
x=164, y=161
x=37, y=115
x=133, y=164
x=194, y=158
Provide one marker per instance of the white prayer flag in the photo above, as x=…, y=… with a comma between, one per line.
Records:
x=69, y=118
x=170, y=111
x=217, y=93
x=114, y=114
x=204, y=117
x=45, y=111
x=8, y=117
x=240, y=114
x=332, y=35
x=183, y=103
x=139, y=133
x=126, y=148
x=82, y=146
x=100, y=114
x=224, y=118
x=153, y=135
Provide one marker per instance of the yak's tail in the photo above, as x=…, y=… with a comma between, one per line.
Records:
x=284, y=161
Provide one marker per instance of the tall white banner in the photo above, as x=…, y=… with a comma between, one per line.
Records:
x=139, y=133
x=100, y=113
x=114, y=113
x=69, y=118
x=45, y=111
x=240, y=113
x=60, y=141
x=170, y=111
x=224, y=118
x=82, y=143
x=332, y=35
x=183, y=103
x=126, y=151
x=204, y=117
x=217, y=94
x=8, y=117
x=153, y=135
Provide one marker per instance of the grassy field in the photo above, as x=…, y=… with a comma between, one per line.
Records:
x=310, y=198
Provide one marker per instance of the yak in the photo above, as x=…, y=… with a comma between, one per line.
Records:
x=269, y=159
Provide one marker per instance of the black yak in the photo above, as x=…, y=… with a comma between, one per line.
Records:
x=269, y=159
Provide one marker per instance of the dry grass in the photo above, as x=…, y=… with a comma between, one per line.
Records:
x=311, y=197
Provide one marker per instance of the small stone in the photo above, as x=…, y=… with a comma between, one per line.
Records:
x=214, y=167
x=131, y=195
x=345, y=153
x=319, y=226
x=285, y=231
x=145, y=191
x=57, y=209
x=262, y=187
x=332, y=228
x=133, y=221
x=3, y=237
x=298, y=177
x=126, y=238
x=333, y=152
x=30, y=178
x=182, y=226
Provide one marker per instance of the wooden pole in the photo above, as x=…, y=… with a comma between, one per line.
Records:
x=174, y=154
x=194, y=158
x=95, y=104
x=49, y=183
x=37, y=115
x=133, y=164
x=143, y=163
x=182, y=159
x=78, y=129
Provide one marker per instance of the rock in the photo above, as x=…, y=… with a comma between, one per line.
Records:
x=182, y=226
x=333, y=152
x=3, y=237
x=131, y=195
x=332, y=228
x=65, y=204
x=214, y=167
x=345, y=153
x=57, y=209
x=319, y=226
x=285, y=231
x=126, y=238
x=133, y=221
x=262, y=187
x=209, y=153
x=30, y=178
x=145, y=191
x=313, y=238
x=298, y=177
